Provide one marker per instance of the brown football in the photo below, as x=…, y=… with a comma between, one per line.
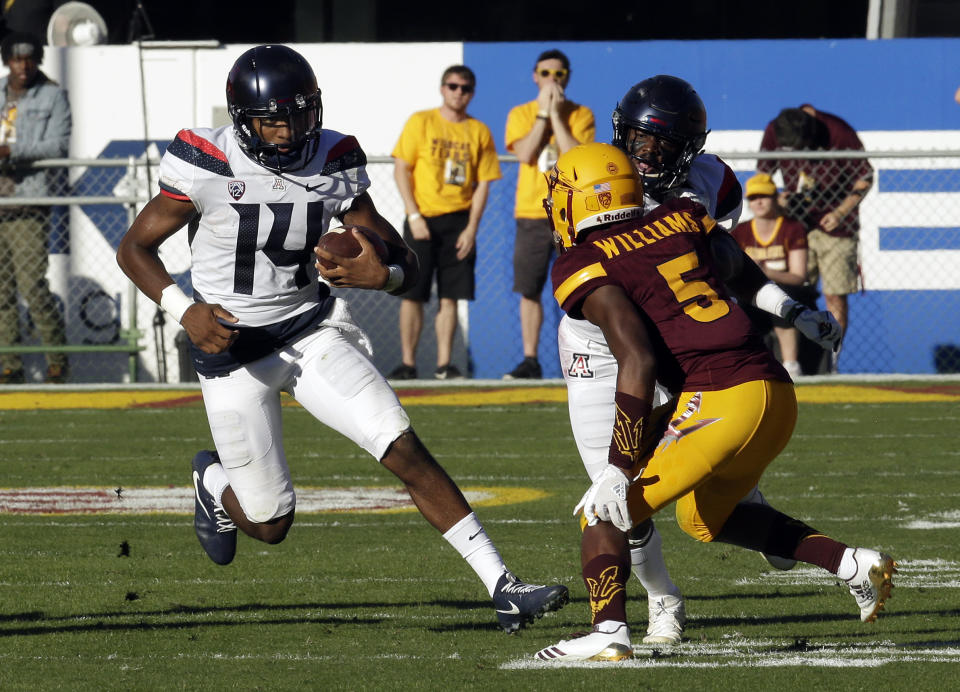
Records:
x=340, y=241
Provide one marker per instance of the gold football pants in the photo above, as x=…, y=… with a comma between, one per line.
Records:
x=715, y=450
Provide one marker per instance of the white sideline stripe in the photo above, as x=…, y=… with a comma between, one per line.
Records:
x=758, y=653
x=927, y=574
x=919, y=524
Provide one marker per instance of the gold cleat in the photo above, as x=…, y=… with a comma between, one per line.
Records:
x=873, y=581
x=591, y=646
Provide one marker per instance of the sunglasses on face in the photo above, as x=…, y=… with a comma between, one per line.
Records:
x=558, y=73
x=465, y=88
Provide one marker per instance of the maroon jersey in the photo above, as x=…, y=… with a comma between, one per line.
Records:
x=819, y=186
x=702, y=339
x=773, y=253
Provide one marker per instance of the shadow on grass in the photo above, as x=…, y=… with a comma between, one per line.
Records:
x=32, y=623
x=114, y=620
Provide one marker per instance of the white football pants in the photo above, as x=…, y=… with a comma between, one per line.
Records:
x=331, y=378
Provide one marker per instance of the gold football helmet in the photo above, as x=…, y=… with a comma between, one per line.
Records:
x=591, y=185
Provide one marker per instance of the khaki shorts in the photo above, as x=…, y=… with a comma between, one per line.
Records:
x=835, y=261
x=532, y=251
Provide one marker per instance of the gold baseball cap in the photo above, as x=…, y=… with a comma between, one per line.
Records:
x=761, y=184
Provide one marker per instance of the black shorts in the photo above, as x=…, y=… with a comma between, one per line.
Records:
x=532, y=251
x=438, y=255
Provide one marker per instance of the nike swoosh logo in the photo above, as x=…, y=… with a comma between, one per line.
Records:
x=196, y=489
x=513, y=609
x=476, y=534
x=311, y=188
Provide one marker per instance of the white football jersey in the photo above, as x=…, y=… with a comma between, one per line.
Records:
x=251, y=246
x=712, y=183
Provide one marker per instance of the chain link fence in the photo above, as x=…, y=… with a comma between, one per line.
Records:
x=901, y=318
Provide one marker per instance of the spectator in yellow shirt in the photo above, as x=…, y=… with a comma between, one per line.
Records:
x=538, y=132
x=444, y=162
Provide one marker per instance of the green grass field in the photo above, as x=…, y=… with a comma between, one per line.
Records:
x=370, y=601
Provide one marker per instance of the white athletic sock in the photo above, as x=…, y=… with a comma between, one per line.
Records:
x=651, y=569
x=848, y=565
x=469, y=539
x=215, y=481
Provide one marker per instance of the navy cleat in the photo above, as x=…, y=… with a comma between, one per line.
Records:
x=519, y=604
x=215, y=530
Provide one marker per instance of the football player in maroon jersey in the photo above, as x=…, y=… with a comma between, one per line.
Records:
x=653, y=283
x=661, y=123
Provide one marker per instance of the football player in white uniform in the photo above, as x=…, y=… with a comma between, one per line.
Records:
x=661, y=123
x=256, y=196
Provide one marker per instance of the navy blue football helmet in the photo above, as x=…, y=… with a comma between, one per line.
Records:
x=275, y=82
x=669, y=109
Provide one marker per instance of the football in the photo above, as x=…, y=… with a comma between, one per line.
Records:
x=340, y=241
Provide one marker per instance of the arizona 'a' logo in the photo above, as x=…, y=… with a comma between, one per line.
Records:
x=278, y=184
x=603, y=589
x=580, y=366
x=236, y=188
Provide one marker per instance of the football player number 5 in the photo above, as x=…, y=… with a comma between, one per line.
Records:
x=697, y=298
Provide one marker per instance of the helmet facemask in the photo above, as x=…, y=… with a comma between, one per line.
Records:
x=303, y=117
x=677, y=154
x=669, y=109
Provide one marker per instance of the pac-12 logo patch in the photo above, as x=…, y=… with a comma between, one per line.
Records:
x=236, y=188
x=580, y=366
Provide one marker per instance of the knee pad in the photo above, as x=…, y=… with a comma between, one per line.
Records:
x=640, y=534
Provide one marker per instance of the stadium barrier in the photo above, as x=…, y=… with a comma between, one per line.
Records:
x=901, y=322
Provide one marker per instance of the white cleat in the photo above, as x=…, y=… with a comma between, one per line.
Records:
x=591, y=646
x=775, y=561
x=872, y=582
x=667, y=618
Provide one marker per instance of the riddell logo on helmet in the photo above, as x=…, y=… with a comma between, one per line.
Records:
x=619, y=215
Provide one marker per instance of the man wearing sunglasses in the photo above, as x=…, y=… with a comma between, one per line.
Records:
x=538, y=132
x=443, y=164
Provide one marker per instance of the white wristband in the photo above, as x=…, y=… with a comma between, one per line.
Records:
x=771, y=298
x=395, y=279
x=414, y=216
x=174, y=302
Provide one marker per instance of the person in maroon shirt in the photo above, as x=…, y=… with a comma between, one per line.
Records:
x=656, y=285
x=778, y=244
x=823, y=194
